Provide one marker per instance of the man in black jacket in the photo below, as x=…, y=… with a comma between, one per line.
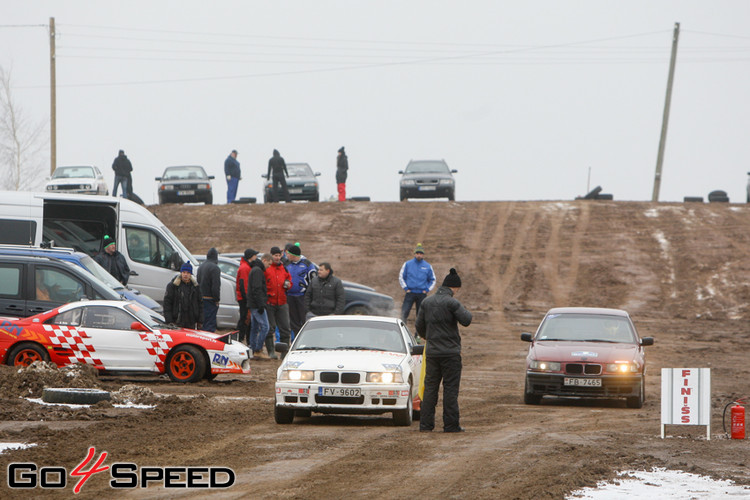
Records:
x=325, y=295
x=437, y=324
x=257, y=297
x=209, y=279
x=122, y=168
x=277, y=174
x=182, y=301
x=113, y=261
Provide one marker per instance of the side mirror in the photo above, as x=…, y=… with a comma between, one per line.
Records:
x=317, y=174
x=647, y=341
x=157, y=178
x=417, y=350
x=401, y=172
x=527, y=337
x=138, y=326
x=265, y=176
x=48, y=178
x=454, y=171
x=211, y=177
x=281, y=347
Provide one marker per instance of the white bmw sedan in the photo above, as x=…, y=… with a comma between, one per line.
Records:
x=350, y=365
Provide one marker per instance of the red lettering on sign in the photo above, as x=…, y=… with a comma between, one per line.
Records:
x=685, y=419
x=685, y=373
x=687, y=391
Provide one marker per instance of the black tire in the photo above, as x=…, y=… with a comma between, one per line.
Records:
x=402, y=196
x=210, y=376
x=283, y=415
x=452, y=196
x=607, y=196
x=719, y=199
x=637, y=401
x=186, y=364
x=402, y=418
x=358, y=311
x=25, y=353
x=210, y=200
x=74, y=396
x=360, y=198
x=693, y=199
x=529, y=398
x=317, y=197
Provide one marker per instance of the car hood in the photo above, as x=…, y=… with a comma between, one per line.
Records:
x=593, y=352
x=71, y=180
x=337, y=359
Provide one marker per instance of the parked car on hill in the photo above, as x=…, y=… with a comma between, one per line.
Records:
x=185, y=184
x=118, y=336
x=586, y=352
x=367, y=365
x=302, y=184
x=85, y=179
x=427, y=179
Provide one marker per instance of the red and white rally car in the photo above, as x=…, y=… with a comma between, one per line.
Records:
x=119, y=336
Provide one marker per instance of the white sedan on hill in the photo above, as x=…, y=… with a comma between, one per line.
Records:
x=86, y=179
x=350, y=365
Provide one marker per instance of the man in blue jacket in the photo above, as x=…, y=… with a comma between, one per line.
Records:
x=417, y=279
x=302, y=272
x=233, y=173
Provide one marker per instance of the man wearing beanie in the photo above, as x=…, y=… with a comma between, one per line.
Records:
x=209, y=279
x=437, y=323
x=417, y=279
x=113, y=261
x=182, y=303
x=240, y=293
x=302, y=272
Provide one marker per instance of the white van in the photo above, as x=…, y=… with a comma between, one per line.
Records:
x=153, y=253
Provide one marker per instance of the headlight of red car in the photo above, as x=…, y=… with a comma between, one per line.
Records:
x=622, y=368
x=545, y=366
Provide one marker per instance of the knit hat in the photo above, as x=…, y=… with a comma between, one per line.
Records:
x=275, y=250
x=187, y=266
x=419, y=249
x=108, y=241
x=294, y=250
x=249, y=253
x=453, y=280
x=341, y=149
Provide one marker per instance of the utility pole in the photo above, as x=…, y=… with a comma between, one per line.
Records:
x=52, y=98
x=665, y=118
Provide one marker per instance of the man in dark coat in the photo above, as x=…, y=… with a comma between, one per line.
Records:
x=182, y=301
x=113, y=261
x=257, y=297
x=277, y=174
x=240, y=293
x=437, y=323
x=209, y=279
x=325, y=295
x=233, y=172
x=122, y=168
x=342, y=165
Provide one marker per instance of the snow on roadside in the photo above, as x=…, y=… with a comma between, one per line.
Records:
x=662, y=484
x=14, y=446
x=69, y=405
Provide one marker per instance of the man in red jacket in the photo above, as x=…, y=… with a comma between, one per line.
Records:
x=278, y=280
x=241, y=293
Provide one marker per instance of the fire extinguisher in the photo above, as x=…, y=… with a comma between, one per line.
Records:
x=737, y=418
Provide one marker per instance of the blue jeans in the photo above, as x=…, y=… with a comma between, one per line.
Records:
x=232, y=184
x=258, y=329
x=121, y=179
x=210, y=308
x=409, y=299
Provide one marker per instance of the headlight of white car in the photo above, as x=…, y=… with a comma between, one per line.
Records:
x=167, y=187
x=385, y=377
x=622, y=368
x=298, y=375
x=545, y=366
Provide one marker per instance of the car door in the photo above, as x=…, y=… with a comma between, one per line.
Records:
x=52, y=287
x=117, y=346
x=12, y=300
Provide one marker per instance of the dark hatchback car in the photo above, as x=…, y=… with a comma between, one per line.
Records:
x=302, y=184
x=185, y=184
x=427, y=179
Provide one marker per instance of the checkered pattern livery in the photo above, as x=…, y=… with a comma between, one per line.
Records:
x=69, y=337
x=158, y=346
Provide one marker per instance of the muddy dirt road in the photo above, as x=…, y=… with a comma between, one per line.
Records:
x=681, y=270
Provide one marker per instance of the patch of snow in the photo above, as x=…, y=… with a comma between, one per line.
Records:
x=662, y=484
x=15, y=446
x=70, y=405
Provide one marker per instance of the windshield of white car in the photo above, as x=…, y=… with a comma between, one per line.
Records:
x=71, y=172
x=350, y=335
x=147, y=316
x=427, y=167
x=586, y=328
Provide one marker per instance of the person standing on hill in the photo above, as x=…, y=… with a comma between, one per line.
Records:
x=277, y=174
x=209, y=278
x=437, y=322
x=417, y=279
x=122, y=168
x=234, y=173
x=342, y=166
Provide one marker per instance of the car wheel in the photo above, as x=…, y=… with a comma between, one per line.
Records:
x=283, y=415
x=186, y=364
x=529, y=398
x=637, y=401
x=210, y=200
x=452, y=196
x=402, y=418
x=402, y=196
x=358, y=311
x=74, y=396
x=317, y=197
x=210, y=376
x=26, y=353
x=303, y=413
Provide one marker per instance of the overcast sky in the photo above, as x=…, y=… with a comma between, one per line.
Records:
x=521, y=97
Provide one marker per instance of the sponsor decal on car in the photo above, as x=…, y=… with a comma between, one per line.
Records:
x=587, y=354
